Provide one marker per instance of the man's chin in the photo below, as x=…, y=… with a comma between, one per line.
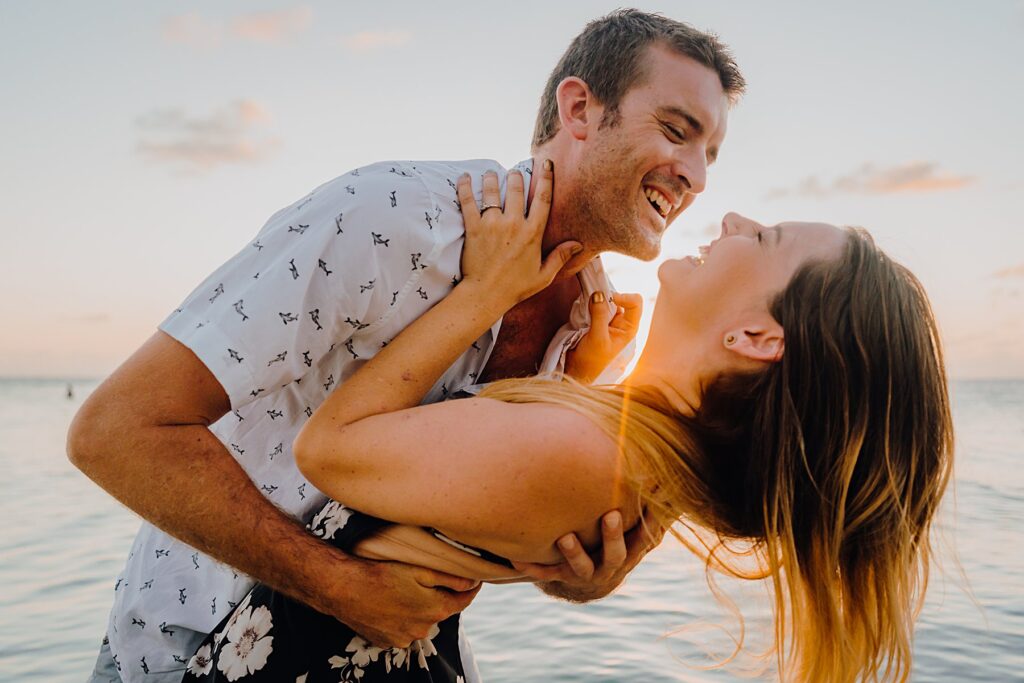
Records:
x=641, y=250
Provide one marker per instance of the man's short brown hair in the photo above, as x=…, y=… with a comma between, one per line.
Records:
x=609, y=57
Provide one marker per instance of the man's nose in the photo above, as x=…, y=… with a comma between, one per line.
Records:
x=692, y=169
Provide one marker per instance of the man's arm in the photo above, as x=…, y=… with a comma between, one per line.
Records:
x=143, y=436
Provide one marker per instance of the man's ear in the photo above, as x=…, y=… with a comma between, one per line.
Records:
x=576, y=107
x=761, y=339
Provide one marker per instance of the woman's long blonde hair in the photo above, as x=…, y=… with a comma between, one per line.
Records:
x=832, y=462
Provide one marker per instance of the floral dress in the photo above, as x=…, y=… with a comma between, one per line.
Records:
x=271, y=638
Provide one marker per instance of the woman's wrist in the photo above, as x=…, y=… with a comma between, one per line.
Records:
x=487, y=300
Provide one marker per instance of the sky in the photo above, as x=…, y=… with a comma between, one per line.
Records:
x=143, y=144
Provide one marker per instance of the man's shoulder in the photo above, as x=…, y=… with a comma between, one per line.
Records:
x=406, y=168
x=383, y=184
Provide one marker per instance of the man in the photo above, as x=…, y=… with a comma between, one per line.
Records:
x=194, y=431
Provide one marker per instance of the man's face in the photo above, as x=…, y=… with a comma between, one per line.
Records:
x=636, y=176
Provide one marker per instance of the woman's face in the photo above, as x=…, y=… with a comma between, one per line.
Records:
x=748, y=261
x=724, y=294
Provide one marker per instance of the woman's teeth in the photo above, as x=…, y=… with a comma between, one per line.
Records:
x=658, y=200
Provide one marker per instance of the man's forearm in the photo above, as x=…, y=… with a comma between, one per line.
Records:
x=195, y=491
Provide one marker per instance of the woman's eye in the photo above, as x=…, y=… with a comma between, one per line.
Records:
x=760, y=236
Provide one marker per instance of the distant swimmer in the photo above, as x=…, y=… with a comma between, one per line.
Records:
x=70, y=392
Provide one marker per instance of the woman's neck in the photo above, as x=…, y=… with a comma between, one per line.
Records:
x=684, y=397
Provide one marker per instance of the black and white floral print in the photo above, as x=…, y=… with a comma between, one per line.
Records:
x=269, y=637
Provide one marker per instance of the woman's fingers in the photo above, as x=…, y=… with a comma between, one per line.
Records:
x=491, y=193
x=467, y=202
x=627, y=319
x=600, y=315
x=515, y=199
x=557, y=258
x=540, y=207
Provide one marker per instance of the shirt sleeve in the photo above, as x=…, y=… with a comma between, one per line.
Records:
x=331, y=266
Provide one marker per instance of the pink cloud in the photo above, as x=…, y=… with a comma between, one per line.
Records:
x=917, y=176
x=273, y=27
x=227, y=136
x=371, y=40
x=191, y=29
x=1012, y=271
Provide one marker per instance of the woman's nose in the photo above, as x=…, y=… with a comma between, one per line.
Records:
x=735, y=224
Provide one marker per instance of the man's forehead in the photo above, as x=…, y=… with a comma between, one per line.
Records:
x=685, y=88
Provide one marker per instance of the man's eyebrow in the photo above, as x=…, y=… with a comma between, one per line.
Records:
x=680, y=113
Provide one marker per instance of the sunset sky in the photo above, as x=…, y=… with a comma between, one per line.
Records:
x=144, y=143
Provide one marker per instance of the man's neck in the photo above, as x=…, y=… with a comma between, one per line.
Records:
x=527, y=330
x=558, y=229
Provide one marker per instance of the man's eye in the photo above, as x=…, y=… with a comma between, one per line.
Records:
x=675, y=133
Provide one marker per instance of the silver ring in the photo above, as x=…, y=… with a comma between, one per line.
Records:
x=489, y=206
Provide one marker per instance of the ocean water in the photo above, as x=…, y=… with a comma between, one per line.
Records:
x=62, y=540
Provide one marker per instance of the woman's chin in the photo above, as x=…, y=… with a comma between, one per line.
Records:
x=675, y=267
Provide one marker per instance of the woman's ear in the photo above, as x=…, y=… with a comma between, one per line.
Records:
x=760, y=340
x=577, y=107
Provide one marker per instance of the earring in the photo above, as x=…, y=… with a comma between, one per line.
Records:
x=730, y=339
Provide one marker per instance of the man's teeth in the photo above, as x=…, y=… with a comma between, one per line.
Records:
x=659, y=200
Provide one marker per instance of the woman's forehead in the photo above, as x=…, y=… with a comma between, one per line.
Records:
x=805, y=239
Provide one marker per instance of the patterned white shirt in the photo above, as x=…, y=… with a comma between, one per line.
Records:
x=322, y=287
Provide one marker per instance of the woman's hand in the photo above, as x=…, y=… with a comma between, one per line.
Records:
x=607, y=335
x=501, y=257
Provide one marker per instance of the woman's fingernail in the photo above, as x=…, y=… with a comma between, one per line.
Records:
x=597, y=297
x=566, y=543
x=549, y=165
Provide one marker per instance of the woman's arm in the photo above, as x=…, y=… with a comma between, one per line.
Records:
x=496, y=485
x=501, y=266
x=510, y=478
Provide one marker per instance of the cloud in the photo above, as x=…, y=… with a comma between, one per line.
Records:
x=1011, y=272
x=169, y=135
x=193, y=30
x=272, y=27
x=917, y=176
x=372, y=40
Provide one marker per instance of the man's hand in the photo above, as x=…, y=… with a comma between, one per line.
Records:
x=579, y=579
x=396, y=604
x=143, y=436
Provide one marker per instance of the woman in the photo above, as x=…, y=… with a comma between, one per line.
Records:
x=791, y=395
